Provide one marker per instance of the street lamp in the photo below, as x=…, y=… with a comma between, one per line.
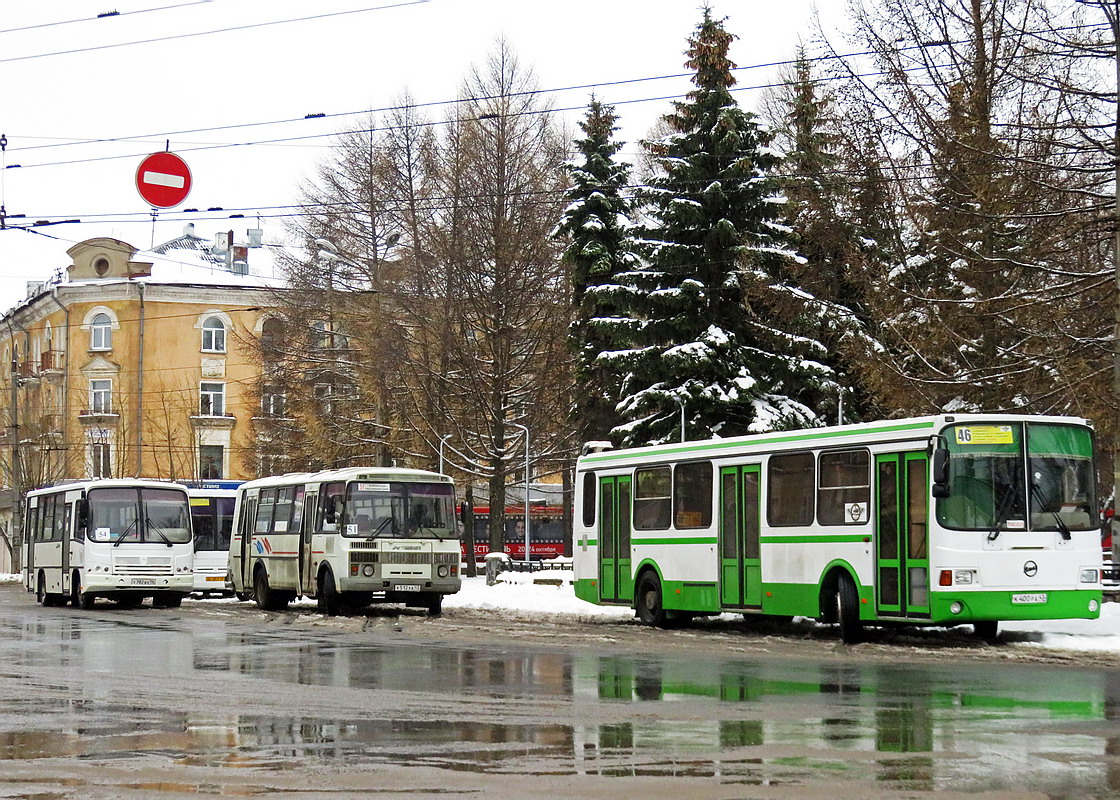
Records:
x=443, y=440
x=526, y=429
x=680, y=402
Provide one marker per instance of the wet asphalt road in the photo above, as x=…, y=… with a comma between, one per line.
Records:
x=220, y=699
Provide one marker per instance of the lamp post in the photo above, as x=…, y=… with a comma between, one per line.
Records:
x=680, y=402
x=443, y=440
x=526, y=429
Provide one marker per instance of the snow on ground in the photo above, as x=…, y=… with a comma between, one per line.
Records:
x=525, y=594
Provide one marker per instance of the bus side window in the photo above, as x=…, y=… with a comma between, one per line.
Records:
x=61, y=518
x=330, y=504
x=790, y=481
x=692, y=495
x=589, y=493
x=264, y=510
x=297, y=509
x=653, y=498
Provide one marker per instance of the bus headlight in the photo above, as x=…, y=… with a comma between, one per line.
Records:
x=964, y=577
x=442, y=571
x=1089, y=576
x=367, y=570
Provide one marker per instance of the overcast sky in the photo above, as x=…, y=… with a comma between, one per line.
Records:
x=224, y=80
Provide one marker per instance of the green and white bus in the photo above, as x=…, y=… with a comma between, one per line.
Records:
x=346, y=537
x=936, y=520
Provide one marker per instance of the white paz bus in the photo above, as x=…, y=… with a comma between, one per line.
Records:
x=123, y=539
x=346, y=537
x=212, y=505
x=930, y=521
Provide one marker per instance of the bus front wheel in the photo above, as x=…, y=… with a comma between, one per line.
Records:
x=435, y=604
x=650, y=610
x=86, y=600
x=986, y=629
x=847, y=611
x=167, y=600
x=329, y=600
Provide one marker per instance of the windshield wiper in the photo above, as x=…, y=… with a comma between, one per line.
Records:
x=124, y=535
x=1004, y=503
x=158, y=532
x=381, y=527
x=1063, y=529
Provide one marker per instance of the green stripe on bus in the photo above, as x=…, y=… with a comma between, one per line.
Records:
x=676, y=540
x=815, y=538
x=752, y=442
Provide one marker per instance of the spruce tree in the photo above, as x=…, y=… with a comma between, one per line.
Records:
x=838, y=243
x=597, y=225
x=723, y=332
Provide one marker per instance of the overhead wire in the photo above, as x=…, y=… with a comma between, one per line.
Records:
x=105, y=15
x=195, y=34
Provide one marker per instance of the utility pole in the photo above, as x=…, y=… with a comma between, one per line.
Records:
x=17, y=469
x=1111, y=13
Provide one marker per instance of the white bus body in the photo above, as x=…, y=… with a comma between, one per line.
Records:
x=212, y=505
x=123, y=539
x=346, y=537
x=962, y=518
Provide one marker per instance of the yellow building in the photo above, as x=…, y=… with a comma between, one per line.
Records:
x=133, y=366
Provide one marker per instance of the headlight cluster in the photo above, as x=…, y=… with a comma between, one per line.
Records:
x=957, y=577
x=1090, y=575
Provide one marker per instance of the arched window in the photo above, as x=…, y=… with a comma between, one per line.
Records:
x=213, y=335
x=101, y=333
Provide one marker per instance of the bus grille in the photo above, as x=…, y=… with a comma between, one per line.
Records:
x=136, y=565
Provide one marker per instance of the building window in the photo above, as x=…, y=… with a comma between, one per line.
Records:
x=212, y=400
x=272, y=401
x=101, y=333
x=101, y=267
x=213, y=335
x=210, y=457
x=323, y=398
x=101, y=396
x=100, y=460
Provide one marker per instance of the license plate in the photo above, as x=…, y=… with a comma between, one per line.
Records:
x=143, y=582
x=215, y=578
x=408, y=587
x=1027, y=599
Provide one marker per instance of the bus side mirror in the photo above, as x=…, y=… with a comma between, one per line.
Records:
x=83, y=514
x=940, y=472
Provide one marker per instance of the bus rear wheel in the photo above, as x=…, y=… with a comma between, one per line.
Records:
x=268, y=599
x=847, y=611
x=650, y=610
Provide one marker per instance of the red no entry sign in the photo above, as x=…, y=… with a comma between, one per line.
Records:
x=163, y=180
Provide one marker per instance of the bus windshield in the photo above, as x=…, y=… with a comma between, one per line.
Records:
x=1005, y=477
x=212, y=518
x=125, y=514
x=396, y=509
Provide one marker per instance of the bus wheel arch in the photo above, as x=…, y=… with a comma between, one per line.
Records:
x=268, y=599
x=649, y=597
x=839, y=602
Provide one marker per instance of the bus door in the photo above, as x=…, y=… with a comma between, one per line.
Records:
x=68, y=541
x=616, y=581
x=307, y=529
x=901, y=543
x=740, y=565
x=30, y=534
x=247, y=524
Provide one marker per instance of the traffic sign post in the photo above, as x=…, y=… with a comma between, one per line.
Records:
x=163, y=180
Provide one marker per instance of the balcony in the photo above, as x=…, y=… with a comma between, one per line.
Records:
x=97, y=417
x=51, y=362
x=225, y=420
